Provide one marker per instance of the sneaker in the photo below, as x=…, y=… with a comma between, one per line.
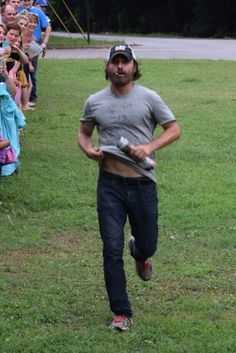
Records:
x=121, y=323
x=143, y=268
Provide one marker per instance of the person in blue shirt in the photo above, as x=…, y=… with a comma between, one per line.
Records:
x=42, y=5
x=14, y=3
x=11, y=121
x=43, y=26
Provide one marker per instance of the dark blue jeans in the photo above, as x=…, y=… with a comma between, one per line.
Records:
x=117, y=199
x=33, y=94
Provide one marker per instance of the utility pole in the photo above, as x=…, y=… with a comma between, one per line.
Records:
x=88, y=21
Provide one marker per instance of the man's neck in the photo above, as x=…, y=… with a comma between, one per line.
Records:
x=121, y=90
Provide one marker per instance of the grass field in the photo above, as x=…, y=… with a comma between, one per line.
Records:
x=52, y=295
x=72, y=41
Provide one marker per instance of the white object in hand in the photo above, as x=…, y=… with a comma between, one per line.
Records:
x=124, y=145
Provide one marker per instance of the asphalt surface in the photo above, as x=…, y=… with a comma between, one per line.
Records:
x=155, y=48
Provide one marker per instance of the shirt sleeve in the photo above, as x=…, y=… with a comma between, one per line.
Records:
x=161, y=112
x=43, y=20
x=88, y=116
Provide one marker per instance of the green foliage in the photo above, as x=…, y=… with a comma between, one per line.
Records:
x=199, y=18
x=51, y=282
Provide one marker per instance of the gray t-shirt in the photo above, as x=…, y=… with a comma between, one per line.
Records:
x=134, y=116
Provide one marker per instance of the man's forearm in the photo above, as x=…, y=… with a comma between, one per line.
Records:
x=84, y=142
x=169, y=135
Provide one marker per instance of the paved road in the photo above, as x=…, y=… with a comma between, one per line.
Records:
x=156, y=48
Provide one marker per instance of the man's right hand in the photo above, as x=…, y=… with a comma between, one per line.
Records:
x=95, y=153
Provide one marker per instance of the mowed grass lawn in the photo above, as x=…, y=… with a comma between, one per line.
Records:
x=52, y=295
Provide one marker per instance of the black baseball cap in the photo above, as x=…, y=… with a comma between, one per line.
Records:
x=121, y=49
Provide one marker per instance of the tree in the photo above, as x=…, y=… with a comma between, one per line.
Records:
x=203, y=18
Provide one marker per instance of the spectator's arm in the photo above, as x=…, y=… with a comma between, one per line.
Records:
x=10, y=85
x=47, y=34
x=23, y=57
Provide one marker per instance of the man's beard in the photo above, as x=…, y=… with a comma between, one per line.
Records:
x=120, y=79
